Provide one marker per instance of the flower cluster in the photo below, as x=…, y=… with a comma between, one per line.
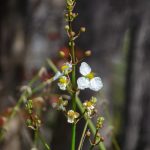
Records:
x=100, y=122
x=33, y=120
x=60, y=104
x=88, y=80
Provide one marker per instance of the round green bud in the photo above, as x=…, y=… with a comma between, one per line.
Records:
x=66, y=27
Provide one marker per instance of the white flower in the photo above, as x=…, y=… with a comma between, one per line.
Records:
x=72, y=116
x=90, y=106
x=66, y=68
x=88, y=80
x=63, y=82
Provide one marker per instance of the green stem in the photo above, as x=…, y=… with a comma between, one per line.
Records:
x=52, y=66
x=35, y=137
x=46, y=146
x=23, y=95
x=90, y=123
x=82, y=137
x=92, y=146
x=73, y=77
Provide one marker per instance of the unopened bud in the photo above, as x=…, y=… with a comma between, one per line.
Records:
x=70, y=13
x=74, y=15
x=88, y=133
x=88, y=53
x=82, y=29
x=72, y=33
x=66, y=27
x=62, y=54
x=66, y=15
x=102, y=139
x=98, y=135
x=95, y=111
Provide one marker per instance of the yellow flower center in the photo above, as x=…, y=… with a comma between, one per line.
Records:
x=89, y=104
x=90, y=75
x=63, y=68
x=72, y=114
x=63, y=80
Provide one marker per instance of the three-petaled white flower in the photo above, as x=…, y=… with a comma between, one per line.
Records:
x=88, y=80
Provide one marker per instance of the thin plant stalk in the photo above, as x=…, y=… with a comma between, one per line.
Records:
x=73, y=76
x=23, y=95
x=92, y=146
x=46, y=146
x=83, y=136
x=73, y=81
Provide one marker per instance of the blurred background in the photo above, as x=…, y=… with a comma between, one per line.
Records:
x=118, y=34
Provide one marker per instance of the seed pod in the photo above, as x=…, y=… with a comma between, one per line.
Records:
x=62, y=54
x=88, y=53
x=88, y=133
x=72, y=34
x=82, y=29
x=66, y=27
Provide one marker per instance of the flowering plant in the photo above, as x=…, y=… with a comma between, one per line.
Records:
x=67, y=82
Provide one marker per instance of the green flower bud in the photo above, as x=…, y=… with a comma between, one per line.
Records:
x=67, y=27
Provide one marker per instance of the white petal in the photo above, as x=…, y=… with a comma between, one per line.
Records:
x=70, y=120
x=61, y=107
x=85, y=69
x=69, y=65
x=62, y=86
x=57, y=75
x=96, y=84
x=83, y=83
